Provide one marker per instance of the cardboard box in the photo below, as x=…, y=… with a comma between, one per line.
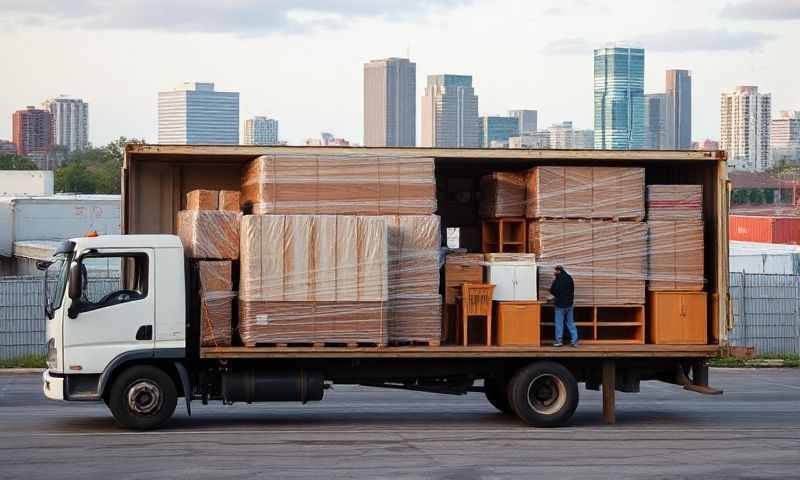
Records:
x=675, y=255
x=675, y=202
x=415, y=318
x=503, y=195
x=209, y=234
x=229, y=200
x=202, y=200
x=216, y=303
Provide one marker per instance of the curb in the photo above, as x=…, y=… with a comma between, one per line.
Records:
x=21, y=371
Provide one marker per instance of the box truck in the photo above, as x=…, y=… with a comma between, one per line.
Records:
x=137, y=346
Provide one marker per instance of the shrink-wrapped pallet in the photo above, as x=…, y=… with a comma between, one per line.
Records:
x=339, y=184
x=209, y=234
x=216, y=302
x=585, y=192
x=333, y=269
x=675, y=202
x=607, y=260
x=415, y=318
x=229, y=200
x=675, y=254
x=202, y=200
x=503, y=195
x=414, y=243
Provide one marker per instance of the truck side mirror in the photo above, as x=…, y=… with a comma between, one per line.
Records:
x=75, y=281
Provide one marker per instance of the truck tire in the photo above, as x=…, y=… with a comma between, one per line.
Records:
x=142, y=397
x=543, y=394
x=496, y=391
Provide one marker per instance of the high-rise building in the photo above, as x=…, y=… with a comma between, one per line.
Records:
x=497, y=129
x=194, y=113
x=678, y=112
x=562, y=135
x=584, y=139
x=744, y=128
x=70, y=122
x=619, y=98
x=785, y=137
x=7, y=148
x=32, y=131
x=260, y=131
x=390, y=109
x=706, y=144
x=527, y=120
x=450, y=112
x=654, y=121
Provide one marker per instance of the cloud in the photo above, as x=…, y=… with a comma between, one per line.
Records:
x=763, y=10
x=703, y=40
x=244, y=17
x=669, y=41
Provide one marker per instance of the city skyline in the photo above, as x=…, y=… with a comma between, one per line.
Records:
x=553, y=78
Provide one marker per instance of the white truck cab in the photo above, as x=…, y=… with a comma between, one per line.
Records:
x=111, y=299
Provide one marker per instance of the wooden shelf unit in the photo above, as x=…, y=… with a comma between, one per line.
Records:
x=599, y=324
x=504, y=235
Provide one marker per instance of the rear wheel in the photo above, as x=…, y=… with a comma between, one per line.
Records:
x=543, y=394
x=142, y=397
x=497, y=393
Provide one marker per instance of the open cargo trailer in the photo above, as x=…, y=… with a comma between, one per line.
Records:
x=156, y=179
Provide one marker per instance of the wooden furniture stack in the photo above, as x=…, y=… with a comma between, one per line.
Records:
x=502, y=209
x=459, y=268
x=590, y=221
x=475, y=301
x=677, y=312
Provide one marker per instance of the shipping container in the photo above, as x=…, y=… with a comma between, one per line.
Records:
x=764, y=229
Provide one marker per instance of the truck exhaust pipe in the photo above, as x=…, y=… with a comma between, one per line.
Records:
x=252, y=385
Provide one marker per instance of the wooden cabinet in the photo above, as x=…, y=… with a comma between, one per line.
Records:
x=677, y=318
x=503, y=235
x=516, y=323
x=514, y=281
x=459, y=269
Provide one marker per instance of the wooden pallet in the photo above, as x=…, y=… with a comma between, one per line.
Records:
x=315, y=345
x=414, y=343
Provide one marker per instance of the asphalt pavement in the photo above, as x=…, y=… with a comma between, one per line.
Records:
x=752, y=431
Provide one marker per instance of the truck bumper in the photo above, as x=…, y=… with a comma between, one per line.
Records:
x=53, y=387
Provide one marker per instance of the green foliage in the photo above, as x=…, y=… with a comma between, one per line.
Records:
x=740, y=196
x=25, y=361
x=95, y=170
x=769, y=195
x=11, y=161
x=790, y=360
x=757, y=196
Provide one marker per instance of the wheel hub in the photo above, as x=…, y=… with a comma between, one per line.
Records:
x=144, y=398
x=547, y=394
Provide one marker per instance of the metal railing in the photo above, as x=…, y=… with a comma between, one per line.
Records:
x=766, y=312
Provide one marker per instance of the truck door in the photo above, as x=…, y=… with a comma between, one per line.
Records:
x=116, y=312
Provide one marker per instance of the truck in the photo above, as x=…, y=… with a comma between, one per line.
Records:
x=136, y=347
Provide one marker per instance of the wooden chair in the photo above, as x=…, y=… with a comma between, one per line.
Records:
x=475, y=301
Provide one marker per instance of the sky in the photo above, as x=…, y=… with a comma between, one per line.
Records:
x=301, y=61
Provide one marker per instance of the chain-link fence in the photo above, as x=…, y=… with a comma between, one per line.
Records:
x=22, y=319
x=766, y=312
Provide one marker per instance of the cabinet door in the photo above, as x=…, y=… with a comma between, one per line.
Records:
x=695, y=327
x=502, y=276
x=525, y=283
x=668, y=319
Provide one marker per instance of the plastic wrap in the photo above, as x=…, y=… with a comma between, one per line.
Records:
x=675, y=202
x=216, y=303
x=339, y=185
x=415, y=318
x=503, y=195
x=607, y=260
x=202, y=200
x=209, y=234
x=675, y=255
x=229, y=200
x=585, y=192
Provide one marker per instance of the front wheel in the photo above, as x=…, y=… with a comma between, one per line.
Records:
x=543, y=394
x=142, y=398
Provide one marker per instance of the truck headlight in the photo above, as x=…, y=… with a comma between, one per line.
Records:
x=52, y=354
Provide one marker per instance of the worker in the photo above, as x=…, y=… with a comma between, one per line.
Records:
x=563, y=291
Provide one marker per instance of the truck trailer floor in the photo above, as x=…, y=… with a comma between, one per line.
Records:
x=752, y=431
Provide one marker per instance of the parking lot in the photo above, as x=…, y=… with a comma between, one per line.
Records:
x=752, y=431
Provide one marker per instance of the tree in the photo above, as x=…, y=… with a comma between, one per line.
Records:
x=756, y=196
x=94, y=170
x=12, y=161
x=740, y=196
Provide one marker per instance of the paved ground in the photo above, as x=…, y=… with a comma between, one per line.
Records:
x=753, y=431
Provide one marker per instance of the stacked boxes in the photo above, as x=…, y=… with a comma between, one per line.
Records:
x=210, y=237
x=577, y=213
x=675, y=237
x=216, y=302
x=313, y=278
x=339, y=185
x=503, y=195
x=585, y=192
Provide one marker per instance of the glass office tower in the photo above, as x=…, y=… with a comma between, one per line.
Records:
x=619, y=111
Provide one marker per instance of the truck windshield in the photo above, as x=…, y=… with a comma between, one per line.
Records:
x=55, y=280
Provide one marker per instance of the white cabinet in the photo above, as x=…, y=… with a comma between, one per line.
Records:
x=513, y=281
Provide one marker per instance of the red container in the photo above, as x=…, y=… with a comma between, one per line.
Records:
x=785, y=230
